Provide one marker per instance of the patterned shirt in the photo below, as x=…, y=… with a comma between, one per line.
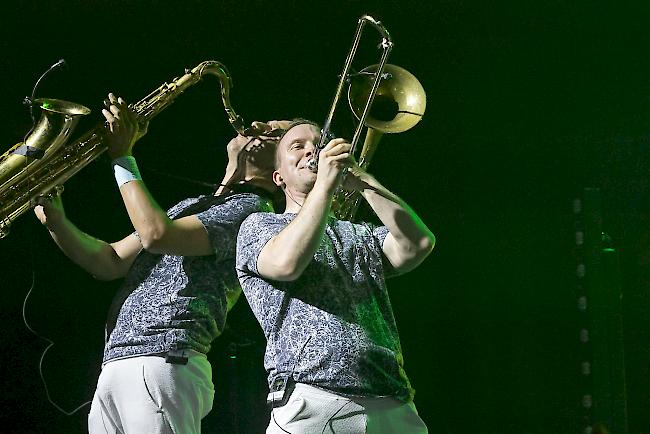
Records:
x=333, y=327
x=170, y=302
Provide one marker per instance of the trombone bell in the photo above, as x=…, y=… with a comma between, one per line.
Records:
x=399, y=103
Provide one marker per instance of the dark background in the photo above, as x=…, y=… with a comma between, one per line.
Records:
x=528, y=103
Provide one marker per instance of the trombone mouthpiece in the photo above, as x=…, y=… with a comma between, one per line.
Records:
x=312, y=164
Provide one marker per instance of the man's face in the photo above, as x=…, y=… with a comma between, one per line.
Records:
x=294, y=152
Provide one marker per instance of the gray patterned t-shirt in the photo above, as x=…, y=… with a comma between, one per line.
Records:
x=169, y=302
x=333, y=327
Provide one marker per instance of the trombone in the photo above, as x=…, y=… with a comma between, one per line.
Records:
x=400, y=104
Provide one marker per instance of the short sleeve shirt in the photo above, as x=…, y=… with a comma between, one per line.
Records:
x=333, y=327
x=169, y=302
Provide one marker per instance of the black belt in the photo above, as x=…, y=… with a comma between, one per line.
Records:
x=175, y=357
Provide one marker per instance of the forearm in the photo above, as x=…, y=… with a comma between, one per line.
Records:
x=411, y=238
x=287, y=254
x=95, y=256
x=147, y=217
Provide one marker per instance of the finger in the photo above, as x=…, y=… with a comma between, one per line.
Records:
x=280, y=124
x=261, y=126
x=115, y=110
x=343, y=145
x=341, y=158
x=121, y=101
x=109, y=119
x=108, y=116
x=112, y=98
x=333, y=143
x=40, y=213
x=337, y=149
x=252, y=144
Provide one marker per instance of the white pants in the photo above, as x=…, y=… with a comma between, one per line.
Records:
x=311, y=410
x=146, y=395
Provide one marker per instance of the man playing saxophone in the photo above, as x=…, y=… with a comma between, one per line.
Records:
x=179, y=282
x=317, y=286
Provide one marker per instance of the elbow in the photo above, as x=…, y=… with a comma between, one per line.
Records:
x=288, y=276
x=153, y=239
x=282, y=271
x=106, y=267
x=155, y=232
x=282, y=262
x=151, y=244
x=423, y=249
x=116, y=269
x=427, y=244
x=416, y=253
x=291, y=268
x=107, y=273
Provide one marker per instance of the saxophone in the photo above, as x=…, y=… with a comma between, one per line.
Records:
x=43, y=162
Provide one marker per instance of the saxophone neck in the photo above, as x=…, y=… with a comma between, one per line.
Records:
x=219, y=70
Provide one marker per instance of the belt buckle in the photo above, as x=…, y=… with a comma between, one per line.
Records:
x=280, y=390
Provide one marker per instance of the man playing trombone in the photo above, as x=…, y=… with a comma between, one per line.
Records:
x=317, y=286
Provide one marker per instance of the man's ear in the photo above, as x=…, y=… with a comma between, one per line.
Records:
x=277, y=179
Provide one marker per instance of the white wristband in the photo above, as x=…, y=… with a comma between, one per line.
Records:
x=126, y=170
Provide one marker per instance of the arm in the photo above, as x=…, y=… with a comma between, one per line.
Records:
x=409, y=240
x=103, y=260
x=287, y=254
x=158, y=233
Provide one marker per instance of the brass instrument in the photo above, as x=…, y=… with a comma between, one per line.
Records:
x=23, y=178
x=398, y=106
x=384, y=98
x=54, y=127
